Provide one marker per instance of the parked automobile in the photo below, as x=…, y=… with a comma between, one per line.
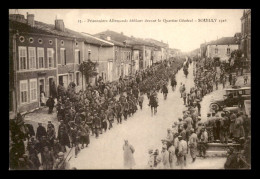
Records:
x=233, y=97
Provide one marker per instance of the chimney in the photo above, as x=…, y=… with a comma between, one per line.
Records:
x=30, y=19
x=17, y=17
x=59, y=25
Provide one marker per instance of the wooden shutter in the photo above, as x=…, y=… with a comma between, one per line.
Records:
x=79, y=57
x=65, y=60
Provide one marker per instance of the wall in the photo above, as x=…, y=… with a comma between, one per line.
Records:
x=222, y=51
x=37, y=74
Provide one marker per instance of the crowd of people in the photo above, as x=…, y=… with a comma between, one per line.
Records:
x=191, y=135
x=92, y=111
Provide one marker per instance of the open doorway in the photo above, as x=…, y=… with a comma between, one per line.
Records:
x=50, y=86
x=42, y=91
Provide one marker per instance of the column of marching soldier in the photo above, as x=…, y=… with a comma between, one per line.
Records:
x=89, y=112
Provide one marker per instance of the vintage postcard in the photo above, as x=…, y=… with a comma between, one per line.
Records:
x=129, y=89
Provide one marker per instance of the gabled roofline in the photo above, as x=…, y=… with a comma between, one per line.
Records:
x=86, y=34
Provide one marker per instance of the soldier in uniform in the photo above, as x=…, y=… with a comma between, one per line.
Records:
x=118, y=109
x=47, y=159
x=193, y=141
x=232, y=161
x=61, y=163
x=110, y=116
x=41, y=131
x=97, y=124
x=171, y=151
x=209, y=126
x=140, y=100
x=125, y=109
x=203, y=142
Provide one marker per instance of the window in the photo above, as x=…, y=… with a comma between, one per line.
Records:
x=62, y=42
x=71, y=77
x=216, y=50
x=23, y=91
x=31, y=40
x=116, y=54
x=247, y=92
x=40, y=41
x=50, y=59
x=32, y=58
x=228, y=51
x=50, y=42
x=89, y=54
x=40, y=52
x=77, y=56
x=63, y=56
x=33, y=90
x=22, y=58
x=21, y=38
x=77, y=79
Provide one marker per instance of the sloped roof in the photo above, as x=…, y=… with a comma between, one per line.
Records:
x=238, y=34
x=49, y=29
x=119, y=38
x=157, y=43
x=224, y=41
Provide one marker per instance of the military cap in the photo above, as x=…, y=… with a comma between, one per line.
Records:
x=164, y=146
x=60, y=154
x=21, y=159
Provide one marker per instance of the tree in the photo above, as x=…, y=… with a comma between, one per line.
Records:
x=88, y=69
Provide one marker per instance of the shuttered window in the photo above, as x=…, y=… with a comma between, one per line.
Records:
x=63, y=56
x=40, y=52
x=50, y=53
x=22, y=58
x=77, y=56
x=32, y=57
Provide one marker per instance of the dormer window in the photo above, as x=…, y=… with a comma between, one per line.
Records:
x=216, y=50
x=228, y=51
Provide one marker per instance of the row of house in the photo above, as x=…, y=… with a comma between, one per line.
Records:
x=221, y=49
x=41, y=54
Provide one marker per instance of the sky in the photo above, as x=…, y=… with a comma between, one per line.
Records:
x=185, y=36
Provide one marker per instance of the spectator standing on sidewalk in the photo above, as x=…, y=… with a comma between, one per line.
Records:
x=41, y=131
x=50, y=103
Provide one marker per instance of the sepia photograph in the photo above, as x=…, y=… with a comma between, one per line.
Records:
x=129, y=89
